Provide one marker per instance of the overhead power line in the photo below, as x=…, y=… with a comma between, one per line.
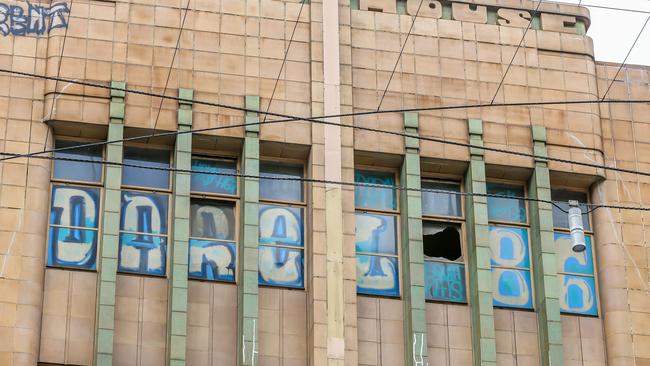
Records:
x=171, y=64
x=626, y=57
x=286, y=54
x=317, y=120
x=342, y=183
x=400, y=55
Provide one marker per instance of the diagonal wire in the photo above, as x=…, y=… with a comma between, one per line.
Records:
x=400, y=55
x=626, y=57
x=530, y=23
x=284, y=60
x=171, y=65
x=58, y=73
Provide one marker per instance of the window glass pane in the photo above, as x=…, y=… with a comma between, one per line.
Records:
x=281, y=190
x=141, y=177
x=73, y=248
x=570, y=261
x=71, y=170
x=375, y=197
x=280, y=266
x=512, y=288
x=561, y=218
x=506, y=209
x=144, y=254
x=75, y=206
x=144, y=213
x=377, y=275
x=214, y=220
x=578, y=295
x=509, y=247
x=212, y=260
x=441, y=241
x=444, y=281
x=438, y=203
x=376, y=233
x=214, y=183
x=281, y=225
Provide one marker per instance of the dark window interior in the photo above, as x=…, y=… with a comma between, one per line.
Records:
x=442, y=241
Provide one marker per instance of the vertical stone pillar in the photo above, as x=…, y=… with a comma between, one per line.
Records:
x=412, y=259
x=547, y=303
x=177, y=318
x=335, y=302
x=247, y=290
x=110, y=232
x=478, y=246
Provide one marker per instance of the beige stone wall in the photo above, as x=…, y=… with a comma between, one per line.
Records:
x=283, y=327
x=68, y=320
x=211, y=324
x=449, y=334
x=380, y=327
x=24, y=190
x=516, y=335
x=622, y=256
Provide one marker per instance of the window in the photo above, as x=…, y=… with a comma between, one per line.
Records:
x=376, y=227
x=74, y=208
x=143, y=177
x=213, y=224
x=144, y=212
x=281, y=219
x=509, y=244
x=575, y=270
x=444, y=265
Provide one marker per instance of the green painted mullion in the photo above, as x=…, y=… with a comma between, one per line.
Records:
x=177, y=317
x=107, y=261
x=547, y=302
x=247, y=340
x=478, y=246
x=412, y=258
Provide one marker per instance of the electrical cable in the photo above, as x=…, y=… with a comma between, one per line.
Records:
x=9, y=156
x=292, y=118
x=300, y=179
x=342, y=183
x=171, y=65
x=400, y=55
x=284, y=60
x=58, y=73
x=626, y=57
x=514, y=55
x=311, y=119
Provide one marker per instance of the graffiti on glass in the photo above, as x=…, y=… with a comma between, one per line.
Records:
x=373, y=196
x=377, y=273
x=577, y=283
x=444, y=281
x=511, y=267
x=143, y=244
x=74, y=218
x=280, y=229
x=34, y=20
x=212, y=259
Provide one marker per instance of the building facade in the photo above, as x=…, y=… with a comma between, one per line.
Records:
x=171, y=250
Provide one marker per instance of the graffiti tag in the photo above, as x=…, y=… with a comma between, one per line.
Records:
x=36, y=19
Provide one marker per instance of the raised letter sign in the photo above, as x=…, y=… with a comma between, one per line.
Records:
x=429, y=9
x=384, y=6
x=513, y=18
x=559, y=23
x=464, y=13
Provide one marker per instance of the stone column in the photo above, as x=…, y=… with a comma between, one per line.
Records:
x=107, y=263
x=177, y=317
x=247, y=290
x=547, y=303
x=412, y=259
x=478, y=246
